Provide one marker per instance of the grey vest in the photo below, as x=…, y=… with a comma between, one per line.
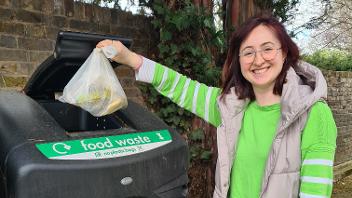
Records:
x=305, y=85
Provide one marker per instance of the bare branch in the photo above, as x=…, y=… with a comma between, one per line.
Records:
x=328, y=29
x=336, y=37
x=337, y=27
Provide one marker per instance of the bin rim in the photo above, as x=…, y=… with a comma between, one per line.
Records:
x=70, y=52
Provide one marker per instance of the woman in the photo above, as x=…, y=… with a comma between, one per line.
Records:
x=276, y=135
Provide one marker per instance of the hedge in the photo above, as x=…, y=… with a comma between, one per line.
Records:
x=330, y=59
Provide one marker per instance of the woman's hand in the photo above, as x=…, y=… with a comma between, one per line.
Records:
x=124, y=55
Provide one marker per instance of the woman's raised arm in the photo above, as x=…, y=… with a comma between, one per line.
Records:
x=189, y=94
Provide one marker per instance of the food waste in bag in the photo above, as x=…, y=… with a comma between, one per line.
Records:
x=95, y=86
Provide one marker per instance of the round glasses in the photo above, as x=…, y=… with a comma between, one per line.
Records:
x=268, y=53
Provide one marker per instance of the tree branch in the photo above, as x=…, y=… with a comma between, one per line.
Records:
x=336, y=37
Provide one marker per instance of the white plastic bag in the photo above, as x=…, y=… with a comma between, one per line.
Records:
x=95, y=87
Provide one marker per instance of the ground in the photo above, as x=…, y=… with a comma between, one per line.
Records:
x=343, y=188
x=199, y=189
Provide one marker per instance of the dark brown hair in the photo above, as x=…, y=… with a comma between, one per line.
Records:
x=231, y=73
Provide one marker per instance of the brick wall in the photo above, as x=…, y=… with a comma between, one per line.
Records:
x=28, y=30
x=340, y=101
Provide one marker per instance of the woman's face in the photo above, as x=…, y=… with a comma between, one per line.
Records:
x=261, y=58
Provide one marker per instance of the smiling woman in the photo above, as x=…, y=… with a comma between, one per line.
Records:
x=275, y=135
x=261, y=69
x=246, y=71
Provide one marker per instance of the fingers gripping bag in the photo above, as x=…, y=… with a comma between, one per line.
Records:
x=95, y=87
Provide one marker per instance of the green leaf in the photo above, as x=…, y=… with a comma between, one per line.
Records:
x=194, y=151
x=156, y=23
x=176, y=119
x=174, y=48
x=152, y=100
x=163, y=48
x=197, y=135
x=180, y=111
x=165, y=35
x=159, y=9
x=207, y=23
x=195, y=51
x=206, y=155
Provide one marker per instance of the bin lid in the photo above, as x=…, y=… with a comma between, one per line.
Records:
x=71, y=50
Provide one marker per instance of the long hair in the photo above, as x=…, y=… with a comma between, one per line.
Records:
x=231, y=73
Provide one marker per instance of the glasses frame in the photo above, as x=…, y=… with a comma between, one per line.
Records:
x=260, y=51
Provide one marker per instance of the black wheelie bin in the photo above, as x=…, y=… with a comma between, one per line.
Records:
x=50, y=149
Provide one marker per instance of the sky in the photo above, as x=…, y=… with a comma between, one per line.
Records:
x=306, y=10
x=125, y=5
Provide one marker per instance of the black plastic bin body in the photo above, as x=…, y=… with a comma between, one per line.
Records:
x=35, y=118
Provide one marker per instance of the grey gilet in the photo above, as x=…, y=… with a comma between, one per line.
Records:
x=305, y=85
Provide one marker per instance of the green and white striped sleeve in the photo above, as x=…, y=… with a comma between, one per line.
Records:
x=318, y=149
x=188, y=94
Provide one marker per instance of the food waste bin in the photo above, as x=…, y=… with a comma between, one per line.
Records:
x=50, y=149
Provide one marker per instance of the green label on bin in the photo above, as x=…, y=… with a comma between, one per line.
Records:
x=105, y=147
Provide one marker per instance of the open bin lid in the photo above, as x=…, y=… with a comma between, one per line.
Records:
x=71, y=50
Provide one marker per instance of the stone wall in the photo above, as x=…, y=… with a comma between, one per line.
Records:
x=340, y=101
x=28, y=30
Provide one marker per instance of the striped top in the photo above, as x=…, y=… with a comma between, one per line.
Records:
x=317, y=146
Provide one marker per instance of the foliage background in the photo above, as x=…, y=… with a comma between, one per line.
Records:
x=330, y=59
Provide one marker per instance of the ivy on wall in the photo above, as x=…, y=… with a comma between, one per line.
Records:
x=190, y=44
